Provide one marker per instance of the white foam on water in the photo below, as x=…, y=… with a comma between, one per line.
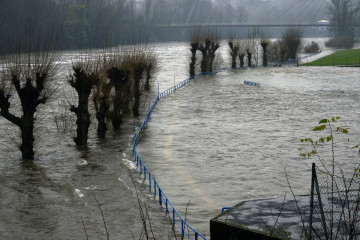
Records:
x=78, y=193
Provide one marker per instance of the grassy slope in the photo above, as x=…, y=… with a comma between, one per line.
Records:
x=341, y=57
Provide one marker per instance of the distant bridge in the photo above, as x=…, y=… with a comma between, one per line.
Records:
x=244, y=25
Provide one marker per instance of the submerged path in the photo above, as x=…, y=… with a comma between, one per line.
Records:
x=154, y=187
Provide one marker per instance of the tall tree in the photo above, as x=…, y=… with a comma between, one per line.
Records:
x=30, y=76
x=85, y=76
x=292, y=39
x=344, y=15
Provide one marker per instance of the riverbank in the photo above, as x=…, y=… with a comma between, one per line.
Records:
x=349, y=57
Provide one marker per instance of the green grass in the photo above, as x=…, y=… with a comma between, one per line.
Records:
x=339, y=58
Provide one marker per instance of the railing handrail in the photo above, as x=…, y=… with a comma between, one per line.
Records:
x=143, y=167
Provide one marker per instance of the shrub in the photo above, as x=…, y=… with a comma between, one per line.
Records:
x=340, y=42
x=312, y=47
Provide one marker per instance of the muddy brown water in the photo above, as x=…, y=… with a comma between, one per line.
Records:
x=214, y=143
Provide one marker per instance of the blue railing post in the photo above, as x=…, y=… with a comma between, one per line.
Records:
x=149, y=182
x=160, y=199
x=166, y=204
x=196, y=236
x=182, y=229
x=144, y=173
x=154, y=188
x=173, y=217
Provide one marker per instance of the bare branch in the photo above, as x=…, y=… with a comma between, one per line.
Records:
x=103, y=217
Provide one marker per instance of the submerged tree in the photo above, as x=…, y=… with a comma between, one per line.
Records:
x=119, y=74
x=101, y=99
x=138, y=69
x=241, y=58
x=86, y=75
x=208, y=46
x=31, y=76
x=264, y=44
x=151, y=64
x=207, y=42
x=194, y=43
x=249, y=54
x=235, y=48
x=292, y=40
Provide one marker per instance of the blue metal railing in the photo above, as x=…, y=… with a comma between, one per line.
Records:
x=224, y=209
x=252, y=83
x=177, y=220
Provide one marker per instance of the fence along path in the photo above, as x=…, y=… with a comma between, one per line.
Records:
x=154, y=187
x=177, y=220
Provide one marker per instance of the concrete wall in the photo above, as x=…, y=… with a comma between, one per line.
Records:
x=225, y=231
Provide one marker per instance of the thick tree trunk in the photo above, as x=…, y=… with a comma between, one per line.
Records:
x=233, y=54
x=83, y=119
x=101, y=116
x=233, y=61
x=211, y=62
x=204, y=62
x=83, y=84
x=192, y=66
x=241, y=57
x=27, y=135
x=249, y=58
x=194, y=47
x=213, y=47
x=148, y=77
x=117, y=79
x=265, y=60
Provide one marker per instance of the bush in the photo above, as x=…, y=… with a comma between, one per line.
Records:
x=312, y=47
x=292, y=40
x=340, y=42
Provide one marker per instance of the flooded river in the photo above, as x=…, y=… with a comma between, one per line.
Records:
x=212, y=144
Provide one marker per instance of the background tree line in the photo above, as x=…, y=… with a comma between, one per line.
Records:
x=101, y=23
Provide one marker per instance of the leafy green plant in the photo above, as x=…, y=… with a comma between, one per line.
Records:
x=341, y=194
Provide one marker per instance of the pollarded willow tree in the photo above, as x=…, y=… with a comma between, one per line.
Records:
x=101, y=100
x=151, y=66
x=119, y=73
x=194, y=43
x=126, y=70
x=138, y=73
x=264, y=44
x=85, y=76
x=207, y=42
x=234, y=53
x=29, y=76
x=241, y=58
